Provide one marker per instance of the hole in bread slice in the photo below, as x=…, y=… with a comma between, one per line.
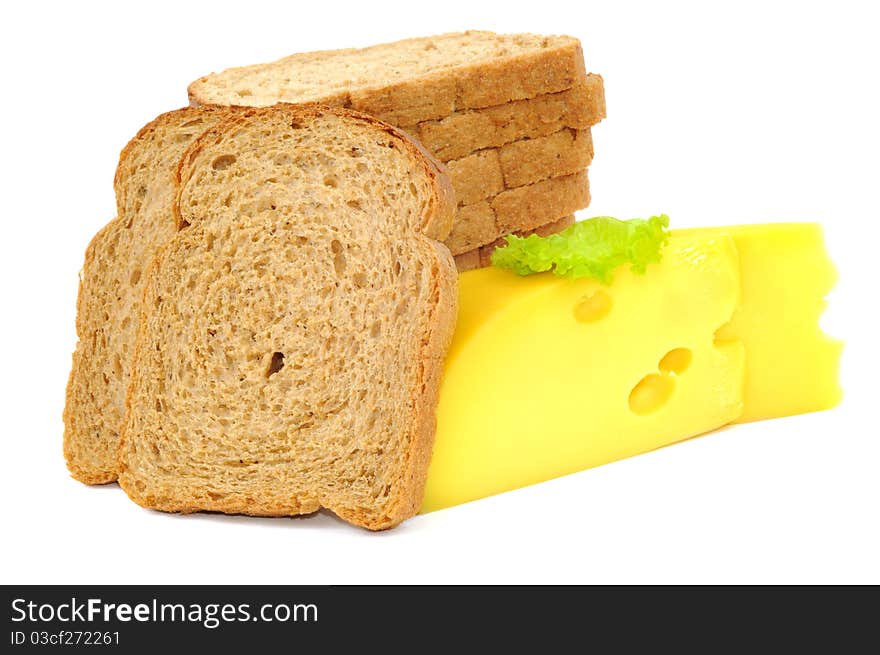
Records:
x=275, y=364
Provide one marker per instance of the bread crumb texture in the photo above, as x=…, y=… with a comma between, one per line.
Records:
x=294, y=328
x=408, y=81
x=111, y=283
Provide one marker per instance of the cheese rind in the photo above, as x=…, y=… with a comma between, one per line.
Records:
x=546, y=376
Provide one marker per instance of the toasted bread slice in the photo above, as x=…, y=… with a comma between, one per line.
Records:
x=110, y=289
x=294, y=328
x=482, y=256
x=407, y=81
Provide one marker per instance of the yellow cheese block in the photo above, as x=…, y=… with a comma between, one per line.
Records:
x=548, y=376
x=792, y=367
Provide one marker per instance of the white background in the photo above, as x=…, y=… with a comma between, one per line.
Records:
x=757, y=112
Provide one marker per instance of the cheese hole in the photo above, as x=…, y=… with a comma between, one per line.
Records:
x=593, y=307
x=676, y=361
x=651, y=393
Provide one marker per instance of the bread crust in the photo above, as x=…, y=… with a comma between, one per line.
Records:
x=72, y=437
x=482, y=256
x=466, y=131
x=89, y=443
x=438, y=326
x=524, y=208
x=485, y=85
x=555, y=67
x=521, y=208
x=486, y=173
x=145, y=133
x=433, y=352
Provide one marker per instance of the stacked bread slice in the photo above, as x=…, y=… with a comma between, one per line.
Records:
x=509, y=115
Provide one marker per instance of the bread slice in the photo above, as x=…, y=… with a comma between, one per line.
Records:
x=110, y=289
x=482, y=256
x=477, y=176
x=466, y=131
x=525, y=207
x=487, y=173
x=294, y=330
x=515, y=210
x=407, y=81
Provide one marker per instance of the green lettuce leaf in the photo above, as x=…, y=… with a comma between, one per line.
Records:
x=592, y=248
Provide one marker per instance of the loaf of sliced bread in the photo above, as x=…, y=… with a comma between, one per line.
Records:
x=487, y=173
x=110, y=289
x=520, y=209
x=465, y=131
x=482, y=256
x=294, y=328
x=407, y=81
